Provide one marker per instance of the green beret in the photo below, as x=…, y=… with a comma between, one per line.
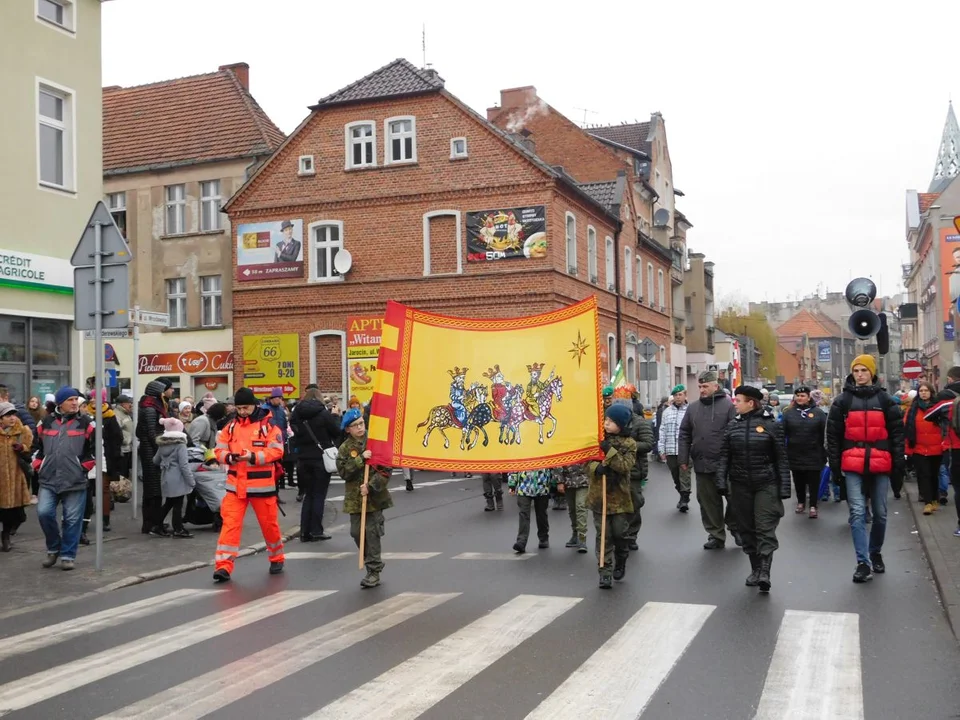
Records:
x=608, y=391
x=678, y=389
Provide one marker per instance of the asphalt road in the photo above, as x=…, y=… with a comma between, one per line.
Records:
x=451, y=638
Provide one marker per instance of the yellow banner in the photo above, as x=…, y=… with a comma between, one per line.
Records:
x=271, y=361
x=487, y=395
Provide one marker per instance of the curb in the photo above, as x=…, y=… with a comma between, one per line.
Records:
x=145, y=577
x=949, y=594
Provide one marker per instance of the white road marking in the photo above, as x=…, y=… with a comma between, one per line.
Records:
x=342, y=555
x=60, y=679
x=619, y=679
x=493, y=556
x=87, y=624
x=212, y=691
x=415, y=685
x=815, y=670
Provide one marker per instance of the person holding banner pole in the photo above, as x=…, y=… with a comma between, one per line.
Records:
x=609, y=494
x=365, y=494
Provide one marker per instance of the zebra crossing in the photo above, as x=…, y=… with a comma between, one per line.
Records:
x=814, y=670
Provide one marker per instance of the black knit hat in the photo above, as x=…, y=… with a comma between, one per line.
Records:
x=750, y=392
x=244, y=396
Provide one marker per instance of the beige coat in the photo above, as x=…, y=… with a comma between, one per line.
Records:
x=14, y=488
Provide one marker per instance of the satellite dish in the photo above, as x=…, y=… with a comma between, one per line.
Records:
x=343, y=262
x=661, y=218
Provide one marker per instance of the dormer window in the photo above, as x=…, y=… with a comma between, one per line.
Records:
x=361, y=142
x=401, y=140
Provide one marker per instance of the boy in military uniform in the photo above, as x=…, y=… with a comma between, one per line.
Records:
x=351, y=460
x=620, y=454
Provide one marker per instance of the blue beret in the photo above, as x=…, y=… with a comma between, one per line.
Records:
x=350, y=417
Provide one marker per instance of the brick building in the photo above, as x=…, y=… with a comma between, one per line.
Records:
x=393, y=169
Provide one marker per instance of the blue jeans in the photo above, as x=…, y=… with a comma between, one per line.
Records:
x=944, y=475
x=858, y=508
x=73, y=505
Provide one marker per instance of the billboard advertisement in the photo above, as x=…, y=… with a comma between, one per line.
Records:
x=950, y=270
x=823, y=352
x=271, y=361
x=507, y=233
x=270, y=250
x=363, y=346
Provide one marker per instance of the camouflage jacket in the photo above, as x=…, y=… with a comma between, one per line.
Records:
x=616, y=466
x=572, y=476
x=350, y=465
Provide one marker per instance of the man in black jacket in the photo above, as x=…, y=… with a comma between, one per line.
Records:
x=315, y=429
x=701, y=435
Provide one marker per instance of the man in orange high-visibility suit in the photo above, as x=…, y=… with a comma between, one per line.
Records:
x=248, y=446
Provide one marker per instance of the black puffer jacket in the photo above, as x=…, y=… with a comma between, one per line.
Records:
x=752, y=454
x=151, y=409
x=642, y=432
x=804, y=432
x=323, y=423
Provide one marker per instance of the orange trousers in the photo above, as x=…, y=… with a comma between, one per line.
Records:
x=232, y=510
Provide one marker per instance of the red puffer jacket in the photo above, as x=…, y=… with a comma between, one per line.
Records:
x=865, y=432
x=922, y=437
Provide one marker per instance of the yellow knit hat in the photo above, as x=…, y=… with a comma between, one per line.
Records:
x=867, y=361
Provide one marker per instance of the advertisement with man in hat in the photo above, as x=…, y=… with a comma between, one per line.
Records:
x=270, y=250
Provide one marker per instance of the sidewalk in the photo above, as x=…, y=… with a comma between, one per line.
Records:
x=129, y=557
x=942, y=550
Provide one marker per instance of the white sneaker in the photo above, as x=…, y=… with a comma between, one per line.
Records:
x=34, y=500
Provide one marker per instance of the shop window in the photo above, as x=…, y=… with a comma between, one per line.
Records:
x=13, y=339
x=50, y=342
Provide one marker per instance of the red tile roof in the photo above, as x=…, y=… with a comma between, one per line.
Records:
x=184, y=121
x=926, y=200
x=810, y=323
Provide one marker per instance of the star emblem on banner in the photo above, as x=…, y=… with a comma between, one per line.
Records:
x=579, y=349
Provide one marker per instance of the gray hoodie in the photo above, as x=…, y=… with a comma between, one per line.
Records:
x=701, y=432
x=176, y=477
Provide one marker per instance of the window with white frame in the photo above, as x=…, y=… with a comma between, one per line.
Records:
x=209, y=205
x=650, y=282
x=326, y=240
x=176, y=209
x=361, y=139
x=608, y=260
x=458, y=148
x=211, y=301
x=117, y=205
x=55, y=142
x=571, y=244
x=592, y=254
x=401, y=140
x=611, y=354
x=177, y=302
x=61, y=13
x=639, y=274
x=627, y=275
x=663, y=300
x=631, y=367
x=305, y=165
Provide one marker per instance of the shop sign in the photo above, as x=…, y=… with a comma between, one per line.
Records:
x=271, y=361
x=37, y=272
x=191, y=362
x=363, y=347
x=270, y=250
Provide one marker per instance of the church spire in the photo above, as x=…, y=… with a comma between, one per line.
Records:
x=948, y=158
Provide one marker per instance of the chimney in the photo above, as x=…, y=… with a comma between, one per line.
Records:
x=241, y=70
x=492, y=112
x=519, y=97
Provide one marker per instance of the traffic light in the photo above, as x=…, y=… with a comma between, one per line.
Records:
x=864, y=322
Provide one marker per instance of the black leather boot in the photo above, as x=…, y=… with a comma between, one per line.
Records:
x=753, y=579
x=764, y=578
x=619, y=567
x=489, y=498
x=499, y=498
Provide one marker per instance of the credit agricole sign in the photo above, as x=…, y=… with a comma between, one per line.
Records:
x=36, y=272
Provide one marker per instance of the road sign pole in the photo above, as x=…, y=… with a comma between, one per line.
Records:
x=98, y=384
x=134, y=388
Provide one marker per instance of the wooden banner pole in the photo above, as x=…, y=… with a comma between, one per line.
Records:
x=603, y=520
x=363, y=513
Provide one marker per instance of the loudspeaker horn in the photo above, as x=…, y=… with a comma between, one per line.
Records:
x=864, y=324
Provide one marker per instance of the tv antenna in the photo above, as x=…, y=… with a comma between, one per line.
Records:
x=585, y=111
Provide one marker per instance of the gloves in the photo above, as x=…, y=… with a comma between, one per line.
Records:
x=605, y=446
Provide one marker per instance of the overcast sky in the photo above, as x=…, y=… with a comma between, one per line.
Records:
x=793, y=133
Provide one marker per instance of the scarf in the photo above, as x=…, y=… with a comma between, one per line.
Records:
x=911, y=426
